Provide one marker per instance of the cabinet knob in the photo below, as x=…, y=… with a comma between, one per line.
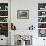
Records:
x=1, y=39
x=43, y=39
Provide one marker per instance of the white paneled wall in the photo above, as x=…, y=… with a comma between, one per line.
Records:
x=23, y=24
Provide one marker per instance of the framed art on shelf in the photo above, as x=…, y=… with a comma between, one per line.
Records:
x=42, y=32
x=22, y=14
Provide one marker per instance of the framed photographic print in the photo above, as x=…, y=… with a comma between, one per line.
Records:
x=22, y=14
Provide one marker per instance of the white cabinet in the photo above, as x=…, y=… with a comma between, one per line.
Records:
x=42, y=24
x=4, y=21
x=41, y=41
x=3, y=40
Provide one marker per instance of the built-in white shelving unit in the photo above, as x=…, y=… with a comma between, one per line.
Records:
x=4, y=19
x=42, y=19
x=4, y=23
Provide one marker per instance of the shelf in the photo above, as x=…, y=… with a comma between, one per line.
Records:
x=3, y=22
x=41, y=28
x=42, y=19
x=3, y=10
x=42, y=16
x=3, y=16
x=41, y=10
x=4, y=19
x=41, y=22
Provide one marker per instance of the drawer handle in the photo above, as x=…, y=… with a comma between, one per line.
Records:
x=1, y=39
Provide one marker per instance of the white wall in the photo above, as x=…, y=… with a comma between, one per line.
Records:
x=32, y=6
x=23, y=24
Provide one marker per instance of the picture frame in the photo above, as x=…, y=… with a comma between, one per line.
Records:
x=42, y=32
x=22, y=14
